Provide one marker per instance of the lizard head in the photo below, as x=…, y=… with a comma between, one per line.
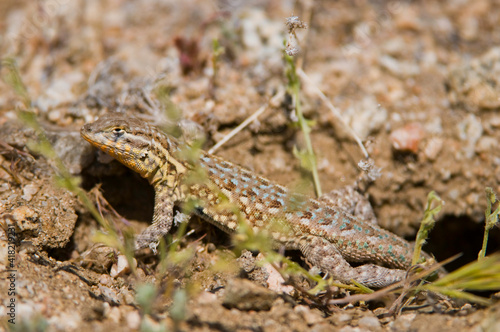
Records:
x=131, y=141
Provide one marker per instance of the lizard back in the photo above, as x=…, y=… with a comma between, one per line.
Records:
x=289, y=216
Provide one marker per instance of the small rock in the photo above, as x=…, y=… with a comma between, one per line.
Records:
x=75, y=153
x=25, y=218
x=65, y=321
x=246, y=261
x=407, y=18
x=54, y=115
x=467, y=308
x=133, y=320
x=311, y=316
x=211, y=248
x=453, y=194
x=399, y=68
x=121, y=267
x=109, y=294
x=486, y=144
x=253, y=272
x=370, y=323
x=473, y=198
x=344, y=317
x=105, y=280
x=206, y=298
x=404, y=322
x=322, y=327
x=114, y=314
x=245, y=295
x=407, y=138
x=275, y=281
x=127, y=296
x=29, y=191
x=433, y=148
x=495, y=121
x=141, y=275
x=470, y=130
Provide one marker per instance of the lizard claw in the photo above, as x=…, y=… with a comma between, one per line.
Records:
x=180, y=218
x=153, y=246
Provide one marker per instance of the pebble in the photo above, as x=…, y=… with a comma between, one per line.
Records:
x=486, y=144
x=399, y=68
x=206, y=298
x=276, y=282
x=114, y=314
x=105, y=280
x=25, y=218
x=245, y=295
x=470, y=130
x=311, y=316
x=29, y=191
x=433, y=148
x=404, y=322
x=495, y=121
x=133, y=320
x=65, y=321
x=370, y=323
x=407, y=138
x=121, y=267
x=127, y=296
x=108, y=294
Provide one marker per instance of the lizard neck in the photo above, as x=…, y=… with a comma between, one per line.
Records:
x=168, y=168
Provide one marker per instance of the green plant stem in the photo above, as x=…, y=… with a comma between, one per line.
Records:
x=426, y=224
x=491, y=219
x=294, y=84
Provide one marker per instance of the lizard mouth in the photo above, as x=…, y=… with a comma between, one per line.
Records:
x=85, y=132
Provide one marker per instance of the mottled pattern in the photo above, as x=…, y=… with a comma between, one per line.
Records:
x=328, y=237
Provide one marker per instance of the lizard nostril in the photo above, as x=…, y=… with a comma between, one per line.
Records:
x=86, y=130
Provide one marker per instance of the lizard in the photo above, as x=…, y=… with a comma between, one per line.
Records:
x=327, y=236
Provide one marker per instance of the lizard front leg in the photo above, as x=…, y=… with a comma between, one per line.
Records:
x=162, y=218
x=328, y=258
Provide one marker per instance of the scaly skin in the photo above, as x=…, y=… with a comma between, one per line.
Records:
x=328, y=237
